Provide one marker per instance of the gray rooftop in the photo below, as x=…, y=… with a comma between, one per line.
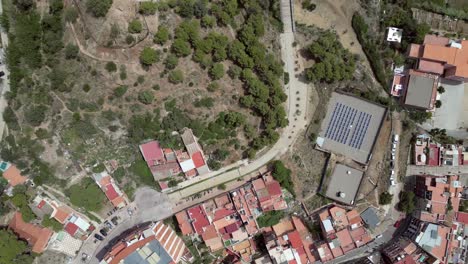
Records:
x=370, y=217
x=344, y=184
x=350, y=127
x=153, y=252
x=419, y=91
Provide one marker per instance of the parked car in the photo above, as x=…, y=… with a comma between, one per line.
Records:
x=396, y=137
x=103, y=232
x=114, y=220
x=393, y=156
x=379, y=236
x=392, y=165
x=394, y=146
x=392, y=182
x=109, y=225
x=98, y=237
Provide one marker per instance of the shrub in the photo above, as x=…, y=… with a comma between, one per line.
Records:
x=438, y=104
x=120, y=91
x=207, y=102
x=181, y=48
x=222, y=187
x=441, y=89
x=48, y=221
x=71, y=51
x=420, y=116
x=71, y=14
x=176, y=77
x=98, y=8
x=111, y=67
x=385, y=198
x=407, y=202
x=308, y=5
x=171, y=61
x=212, y=87
x=208, y=21
x=149, y=56
x=162, y=36
x=217, y=71
x=135, y=26
x=148, y=8
x=146, y=97
x=86, y=87
x=35, y=115
x=129, y=39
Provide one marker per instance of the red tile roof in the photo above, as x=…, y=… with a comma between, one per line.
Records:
x=36, y=236
x=184, y=223
x=111, y=193
x=462, y=218
x=41, y=204
x=71, y=228
x=197, y=214
x=151, y=152
x=198, y=160
x=223, y=212
x=13, y=176
x=274, y=188
x=295, y=239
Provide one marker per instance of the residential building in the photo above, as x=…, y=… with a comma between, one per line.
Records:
x=289, y=241
x=74, y=223
x=156, y=243
x=394, y=34
x=404, y=251
x=342, y=231
x=434, y=239
x=430, y=153
x=36, y=236
x=167, y=162
x=370, y=218
x=459, y=243
x=421, y=90
x=12, y=174
x=269, y=193
x=110, y=189
x=442, y=56
x=435, y=194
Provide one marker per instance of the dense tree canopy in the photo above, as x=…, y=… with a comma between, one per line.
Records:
x=149, y=56
x=407, y=202
x=86, y=194
x=98, y=8
x=13, y=250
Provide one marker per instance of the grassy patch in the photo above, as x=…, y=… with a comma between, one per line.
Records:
x=141, y=170
x=270, y=218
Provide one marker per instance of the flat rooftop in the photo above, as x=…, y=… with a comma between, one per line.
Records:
x=344, y=184
x=350, y=127
x=421, y=90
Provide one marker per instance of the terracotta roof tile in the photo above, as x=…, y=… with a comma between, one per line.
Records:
x=36, y=236
x=13, y=176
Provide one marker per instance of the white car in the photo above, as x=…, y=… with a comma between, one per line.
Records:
x=393, y=172
x=393, y=146
x=379, y=236
x=393, y=156
x=392, y=182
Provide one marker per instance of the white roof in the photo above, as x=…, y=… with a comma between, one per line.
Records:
x=327, y=225
x=82, y=224
x=394, y=34
x=187, y=165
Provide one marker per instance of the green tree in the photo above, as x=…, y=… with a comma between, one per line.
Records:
x=87, y=195
x=98, y=8
x=35, y=114
x=146, y=97
x=270, y=218
x=181, y=48
x=222, y=186
x=149, y=56
x=385, y=198
x=438, y=104
x=441, y=90
x=111, y=67
x=135, y=26
x=171, y=61
x=13, y=250
x=48, y=221
x=217, y=71
x=162, y=36
x=176, y=77
x=407, y=202
x=23, y=4
x=282, y=175
x=148, y=8
x=213, y=86
x=71, y=51
x=208, y=21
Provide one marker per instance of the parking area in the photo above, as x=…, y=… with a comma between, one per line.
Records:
x=149, y=205
x=453, y=113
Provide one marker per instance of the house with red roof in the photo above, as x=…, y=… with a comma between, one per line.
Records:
x=435, y=194
x=269, y=193
x=343, y=231
x=36, y=236
x=110, y=189
x=167, y=162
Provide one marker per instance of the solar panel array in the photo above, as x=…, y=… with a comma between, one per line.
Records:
x=348, y=125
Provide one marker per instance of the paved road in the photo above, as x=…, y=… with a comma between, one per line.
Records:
x=152, y=206
x=436, y=171
x=4, y=82
x=296, y=106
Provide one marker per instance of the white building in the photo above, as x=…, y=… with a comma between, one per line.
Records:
x=394, y=34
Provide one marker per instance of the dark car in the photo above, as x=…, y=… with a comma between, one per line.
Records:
x=114, y=220
x=97, y=236
x=103, y=232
